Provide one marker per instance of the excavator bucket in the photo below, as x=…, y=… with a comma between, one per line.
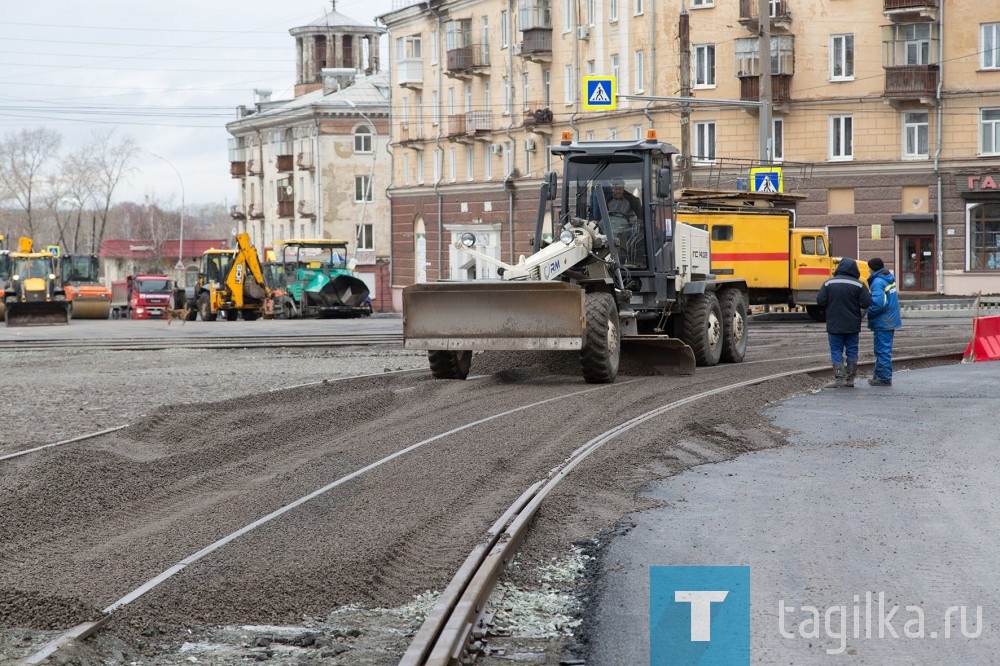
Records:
x=667, y=355
x=483, y=315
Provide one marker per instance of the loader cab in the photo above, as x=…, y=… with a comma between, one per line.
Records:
x=80, y=269
x=215, y=266
x=632, y=183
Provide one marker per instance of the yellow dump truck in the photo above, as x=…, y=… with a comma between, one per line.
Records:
x=781, y=263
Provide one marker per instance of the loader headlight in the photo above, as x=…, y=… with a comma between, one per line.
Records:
x=468, y=239
x=567, y=236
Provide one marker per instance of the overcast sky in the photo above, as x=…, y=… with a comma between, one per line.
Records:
x=168, y=73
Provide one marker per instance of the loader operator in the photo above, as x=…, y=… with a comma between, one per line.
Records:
x=625, y=210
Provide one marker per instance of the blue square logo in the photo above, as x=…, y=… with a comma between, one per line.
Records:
x=699, y=615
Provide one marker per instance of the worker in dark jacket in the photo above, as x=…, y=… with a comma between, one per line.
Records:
x=845, y=299
x=883, y=319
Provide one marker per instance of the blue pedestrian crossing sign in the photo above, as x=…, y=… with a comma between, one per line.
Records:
x=767, y=179
x=600, y=93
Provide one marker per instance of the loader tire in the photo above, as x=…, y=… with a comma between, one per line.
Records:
x=733, y=304
x=449, y=364
x=601, y=350
x=205, y=308
x=703, y=330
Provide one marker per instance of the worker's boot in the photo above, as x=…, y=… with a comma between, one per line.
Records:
x=851, y=374
x=839, y=375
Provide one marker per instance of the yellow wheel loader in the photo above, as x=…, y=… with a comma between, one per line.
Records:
x=620, y=272
x=231, y=282
x=33, y=294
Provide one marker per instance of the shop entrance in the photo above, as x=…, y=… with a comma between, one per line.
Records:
x=916, y=263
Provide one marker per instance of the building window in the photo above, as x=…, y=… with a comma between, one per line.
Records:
x=638, y=7
x=704, y=66
x=504, y=29
x=506, y=96
x=989, y=132
x=568, y=82
x=406, y=169
x=524, y=92
x=589, y=136
x=364, y=236
x=984, y=237
x=438, y=157
x=989, y=46
x=488, y=163
x=420, y=167
x=613, y=134
x=916, y=39
x=362, y=189
x=637, y=132
x=778, y=139
x=591, y=67
x=702, y=3
x=915, y=130
x=615, y=66
x=590, y=12
x=408, y=48
x=362, y=140
x=452, y=159
x=468, y=97
x=704, y=142
x=567, y=15
x=470, y=156
x=640, y=71
x=435, y=47
x=435, y=107
x=841, y=57
x=841, y=137
x=613, y=10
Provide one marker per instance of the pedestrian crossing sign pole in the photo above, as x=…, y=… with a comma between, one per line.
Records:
x=767, y=179
x=600, y=93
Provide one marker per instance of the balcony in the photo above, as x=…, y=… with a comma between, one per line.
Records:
x=237, y=169
x=286, y=209
x=468, y=60
x=254, y=167
x=537, y=118
x=285, y=162
x=463, y=127
x=911, y=83
x=536, y=44
x=781, y=88
x=909, y=9
x=410, y=134
x=305, y=161
x=410, y=73
x=255, y=211
x=780, y=14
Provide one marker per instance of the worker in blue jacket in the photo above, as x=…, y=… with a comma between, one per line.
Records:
x=883, y=319
x=845, y=298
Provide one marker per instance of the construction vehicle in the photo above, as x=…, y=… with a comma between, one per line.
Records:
x=4, y=270
x=231, y=282
x=320, y=280
x=88, y=297
x=141, y=296
x=33, y=294
x=274, y=275
x=609, y=279
x=754, y=237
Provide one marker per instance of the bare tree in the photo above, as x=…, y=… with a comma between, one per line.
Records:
x=113, y=158
x=23, y=156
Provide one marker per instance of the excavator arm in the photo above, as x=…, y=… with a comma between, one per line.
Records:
x=245, y=279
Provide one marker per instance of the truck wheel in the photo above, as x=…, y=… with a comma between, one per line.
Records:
x=734, y=325
x=601, y=350
x=205, y=308
x=703, y=328
x=449, y=364
x=816, y=313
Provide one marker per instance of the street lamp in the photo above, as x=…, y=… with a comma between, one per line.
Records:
x=180, y=243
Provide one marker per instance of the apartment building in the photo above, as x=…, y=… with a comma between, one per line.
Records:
x=316, y=165
x=885, y=114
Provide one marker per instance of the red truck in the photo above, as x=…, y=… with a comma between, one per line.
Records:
x=141, y=296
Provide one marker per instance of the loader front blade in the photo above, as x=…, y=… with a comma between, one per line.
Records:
x=485, y=315
x=669, y=356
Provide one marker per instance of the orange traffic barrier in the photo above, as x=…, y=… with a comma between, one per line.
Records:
x=985, y=343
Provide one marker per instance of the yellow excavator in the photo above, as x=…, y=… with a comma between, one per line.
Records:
x=33, y=293
x=231, y=282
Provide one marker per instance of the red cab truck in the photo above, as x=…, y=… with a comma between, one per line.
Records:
x=142, y=296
